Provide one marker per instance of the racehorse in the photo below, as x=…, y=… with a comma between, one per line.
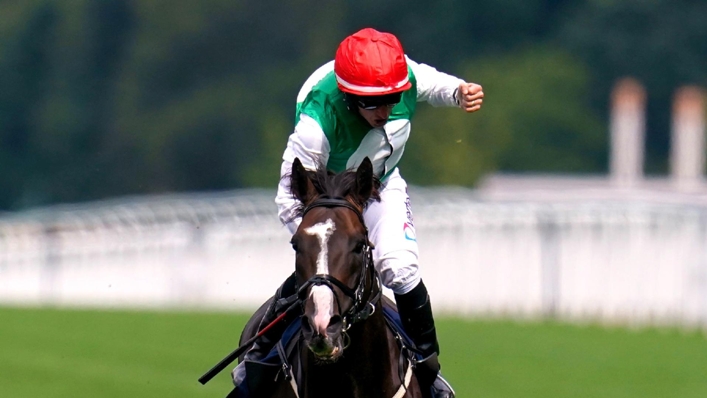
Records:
x=346, y=347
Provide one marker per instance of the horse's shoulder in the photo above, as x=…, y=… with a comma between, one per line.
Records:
x=251, y=327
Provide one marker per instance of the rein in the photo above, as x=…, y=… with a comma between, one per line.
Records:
x=360, y=310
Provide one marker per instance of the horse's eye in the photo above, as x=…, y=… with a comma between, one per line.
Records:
x=358, y=248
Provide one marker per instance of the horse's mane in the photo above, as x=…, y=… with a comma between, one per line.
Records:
x=335, y=185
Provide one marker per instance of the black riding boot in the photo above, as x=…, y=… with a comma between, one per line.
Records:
x=416, y=314
x=266, y=342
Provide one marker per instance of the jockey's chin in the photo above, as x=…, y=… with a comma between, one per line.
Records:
x=326, y=349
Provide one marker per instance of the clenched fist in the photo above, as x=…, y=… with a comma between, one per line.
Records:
x=470, y=97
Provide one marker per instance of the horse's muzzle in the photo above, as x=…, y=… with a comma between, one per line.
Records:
x=326, y=348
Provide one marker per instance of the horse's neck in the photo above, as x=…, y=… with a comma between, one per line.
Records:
x=367, y=368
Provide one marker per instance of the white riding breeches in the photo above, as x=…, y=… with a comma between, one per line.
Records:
x=392, y=232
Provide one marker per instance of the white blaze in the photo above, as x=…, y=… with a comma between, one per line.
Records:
x=322, y=296
x=322, y=231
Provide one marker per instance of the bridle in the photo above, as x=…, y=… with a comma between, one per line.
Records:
x=361, y=309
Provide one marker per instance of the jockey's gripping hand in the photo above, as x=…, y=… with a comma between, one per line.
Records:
x=470, y=97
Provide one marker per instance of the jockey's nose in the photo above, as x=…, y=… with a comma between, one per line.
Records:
x=383, y=112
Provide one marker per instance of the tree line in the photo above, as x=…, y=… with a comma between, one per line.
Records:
x=118, y=97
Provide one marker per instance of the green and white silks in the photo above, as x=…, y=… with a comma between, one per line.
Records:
x=326, y=132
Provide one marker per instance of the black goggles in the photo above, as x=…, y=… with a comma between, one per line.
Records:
x=371, y=102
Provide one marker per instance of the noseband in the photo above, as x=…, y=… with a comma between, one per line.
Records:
x=360, y=310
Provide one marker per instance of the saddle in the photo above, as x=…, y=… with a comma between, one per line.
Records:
x=263, y=375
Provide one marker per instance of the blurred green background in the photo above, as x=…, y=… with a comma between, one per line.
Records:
x=105, y=98
x=116, y=97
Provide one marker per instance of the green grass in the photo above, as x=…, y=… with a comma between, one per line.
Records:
x=72, y=353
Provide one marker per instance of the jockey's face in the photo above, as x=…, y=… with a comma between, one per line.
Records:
x=377, y=117
x=376, y=109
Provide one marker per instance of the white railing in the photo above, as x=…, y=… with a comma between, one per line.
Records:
x=603, y=258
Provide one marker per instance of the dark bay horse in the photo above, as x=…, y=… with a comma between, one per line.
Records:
x=346, y=348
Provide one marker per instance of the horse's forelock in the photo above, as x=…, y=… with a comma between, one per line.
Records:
x=333, y=185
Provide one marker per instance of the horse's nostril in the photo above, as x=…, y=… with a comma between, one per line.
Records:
x=335, y=321
x=335, y=325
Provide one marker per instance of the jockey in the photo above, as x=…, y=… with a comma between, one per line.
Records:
x=360, y=105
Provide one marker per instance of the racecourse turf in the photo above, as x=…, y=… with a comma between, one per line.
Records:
x=54, y=353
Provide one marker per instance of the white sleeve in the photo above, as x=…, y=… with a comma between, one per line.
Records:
x=433, y=86
x=310, y=145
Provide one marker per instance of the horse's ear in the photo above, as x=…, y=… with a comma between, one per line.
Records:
x=364, y=180
x=300, y=184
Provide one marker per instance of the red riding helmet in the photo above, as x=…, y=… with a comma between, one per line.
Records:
x=370, y=62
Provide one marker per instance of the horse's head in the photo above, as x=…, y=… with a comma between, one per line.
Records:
x=333, y=255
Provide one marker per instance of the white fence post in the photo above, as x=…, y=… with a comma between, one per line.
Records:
x=687, y=155
x=627, y=129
